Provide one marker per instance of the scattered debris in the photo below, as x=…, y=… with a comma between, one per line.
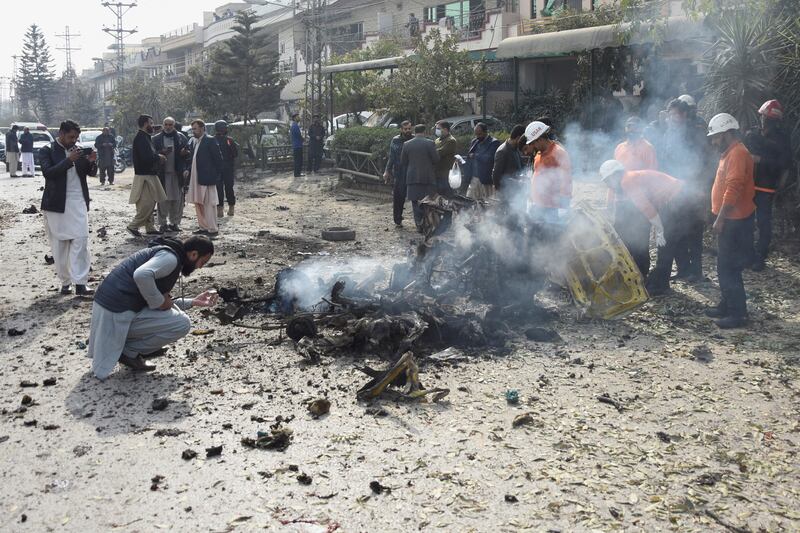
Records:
x=30, y=423
x=709, y=479
x=616, y=513
x=159, y=404
x=201, y=332
x=278, y=438
x=30, y=210
x=26, y=384
x=510, y=498
x=26, y=400
x=605, y=398
x=262, y=194
x=188, y=454
x=214, y=451
x=14, y=332
x=156, y=482
x=49, y=382
x=543, y=335
x=524, y=419
x=702, y=353
x=404, y=373
x=319, y=407
x=81, y=449
x=663, y=437
x=49, y=259
x=168, y=432
x=337, y=234
x=102, y=232
x=376, y=487
x=512, y=396
x=450, y=355
x=50, y=427
x=304, y=479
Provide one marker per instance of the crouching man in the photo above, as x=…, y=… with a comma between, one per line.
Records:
x=134, y=314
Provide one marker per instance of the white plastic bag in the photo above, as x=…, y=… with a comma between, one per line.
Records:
x=455, y=176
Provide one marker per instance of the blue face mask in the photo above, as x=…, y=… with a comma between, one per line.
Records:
x=438, y=132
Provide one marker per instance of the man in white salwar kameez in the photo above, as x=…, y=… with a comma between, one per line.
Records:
x=65, y=205
x=134, y=316
x=204, y=173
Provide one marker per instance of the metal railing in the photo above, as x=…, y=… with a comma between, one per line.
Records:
x=359, y=164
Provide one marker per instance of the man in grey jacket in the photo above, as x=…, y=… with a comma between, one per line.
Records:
x=419, y=156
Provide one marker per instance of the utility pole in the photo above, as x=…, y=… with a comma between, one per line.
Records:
x=118, y=32
x=314, y=52
x=13, y=92
x=68, y=48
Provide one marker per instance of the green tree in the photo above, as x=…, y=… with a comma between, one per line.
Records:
x=140, y=94
x=84, y=105
x=432, y=83
x=241, y=79
x=36, y=79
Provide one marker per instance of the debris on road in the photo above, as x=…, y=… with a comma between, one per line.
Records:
x=214, y=451
x=188, y=454
x=30, y=210
x=319, y=407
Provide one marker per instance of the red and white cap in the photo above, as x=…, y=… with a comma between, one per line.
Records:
x=771, y=109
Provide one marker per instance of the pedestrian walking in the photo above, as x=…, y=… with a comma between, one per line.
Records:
x=419, y=156
x=635, y=153
x=12, y=151
x=174, y=145
x=65, y=205
x=395, y=172
x=297, y=145
x=204, y=173
x=26, y=153
x=105, y=144
x=551, y=181
x=657, y=197
x=230, y=151
x=134, y=315
x=480, y=162
x=447, y=148
x=732, y=203
x=772, y=152
x=316, y=143
x=147, y=190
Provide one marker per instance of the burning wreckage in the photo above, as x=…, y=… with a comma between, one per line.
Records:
x=474, y=274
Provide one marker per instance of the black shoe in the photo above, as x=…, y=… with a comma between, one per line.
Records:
x=136, y=364
x=157, y=353
x=200, y=232
x=66, y=289
x=154, y=231
x=212, y=234
x=731, y=322
x=176, y=228
x=110, y=182
x=716, y=312
x=83, y=290
x=165, y=229
x=134, y=231
x=102, y=183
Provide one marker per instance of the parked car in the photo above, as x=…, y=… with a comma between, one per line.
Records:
x=87, y=138
x=465, y=125
x=345, y=121
x=41, y=137
x=272, y=132
x=2, y=151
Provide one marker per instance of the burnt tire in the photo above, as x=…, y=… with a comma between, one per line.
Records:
x=339, y=234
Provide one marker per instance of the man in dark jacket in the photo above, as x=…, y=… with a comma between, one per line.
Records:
x=204, y=173
x=480, y=163
x=447, y=147
x=105, y=143
x=316, y=142
x=395, y=172
x=134, y=315
x=297, y=145
x=147, y=190
x=65, y=205
x=230, y=151
x=26, y=153
x=173, y=144
x=12, y=151
x=772, y=153
x=419, y=156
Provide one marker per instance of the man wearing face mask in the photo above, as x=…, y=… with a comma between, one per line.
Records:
x=447, y=147
x=633, y=228
x=732, y=203
x=173, y=144
x=147, y=190
x=134, y=315
x=395, y=172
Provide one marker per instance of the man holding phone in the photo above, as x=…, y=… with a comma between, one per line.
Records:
x=65, y=204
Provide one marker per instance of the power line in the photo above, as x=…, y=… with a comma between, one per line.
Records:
x=68, y=48
x=118, y=32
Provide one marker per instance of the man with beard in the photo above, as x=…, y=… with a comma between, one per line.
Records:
x=204, y=173
x=551, y=181
x=147, y=190
x=105, y=144
x=134, y=315
x=65, y=205
x=480, y=162
x=229, y=151
x=732, y=203
x=395, y=172
x=447, y=146
x=173, y=144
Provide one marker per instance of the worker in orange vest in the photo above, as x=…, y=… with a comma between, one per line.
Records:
x=633, y=228
x=551, y=183
x=657, y=198
x=732, y=203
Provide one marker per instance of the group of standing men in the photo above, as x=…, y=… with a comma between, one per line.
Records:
x=171, y=170
x=19, y=150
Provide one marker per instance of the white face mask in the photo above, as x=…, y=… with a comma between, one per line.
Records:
x=438, y=132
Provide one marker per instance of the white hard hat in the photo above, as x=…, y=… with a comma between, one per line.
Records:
x=534, y=130
x=722, y=123
x=688, y=100
x=609, y=168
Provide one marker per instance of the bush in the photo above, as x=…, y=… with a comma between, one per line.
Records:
x=362, y=139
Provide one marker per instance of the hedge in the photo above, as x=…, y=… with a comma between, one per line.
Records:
x=376, y=140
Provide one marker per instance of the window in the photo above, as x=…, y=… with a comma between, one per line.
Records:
x=462, y=16
x=343, y=39
x=462, y=128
